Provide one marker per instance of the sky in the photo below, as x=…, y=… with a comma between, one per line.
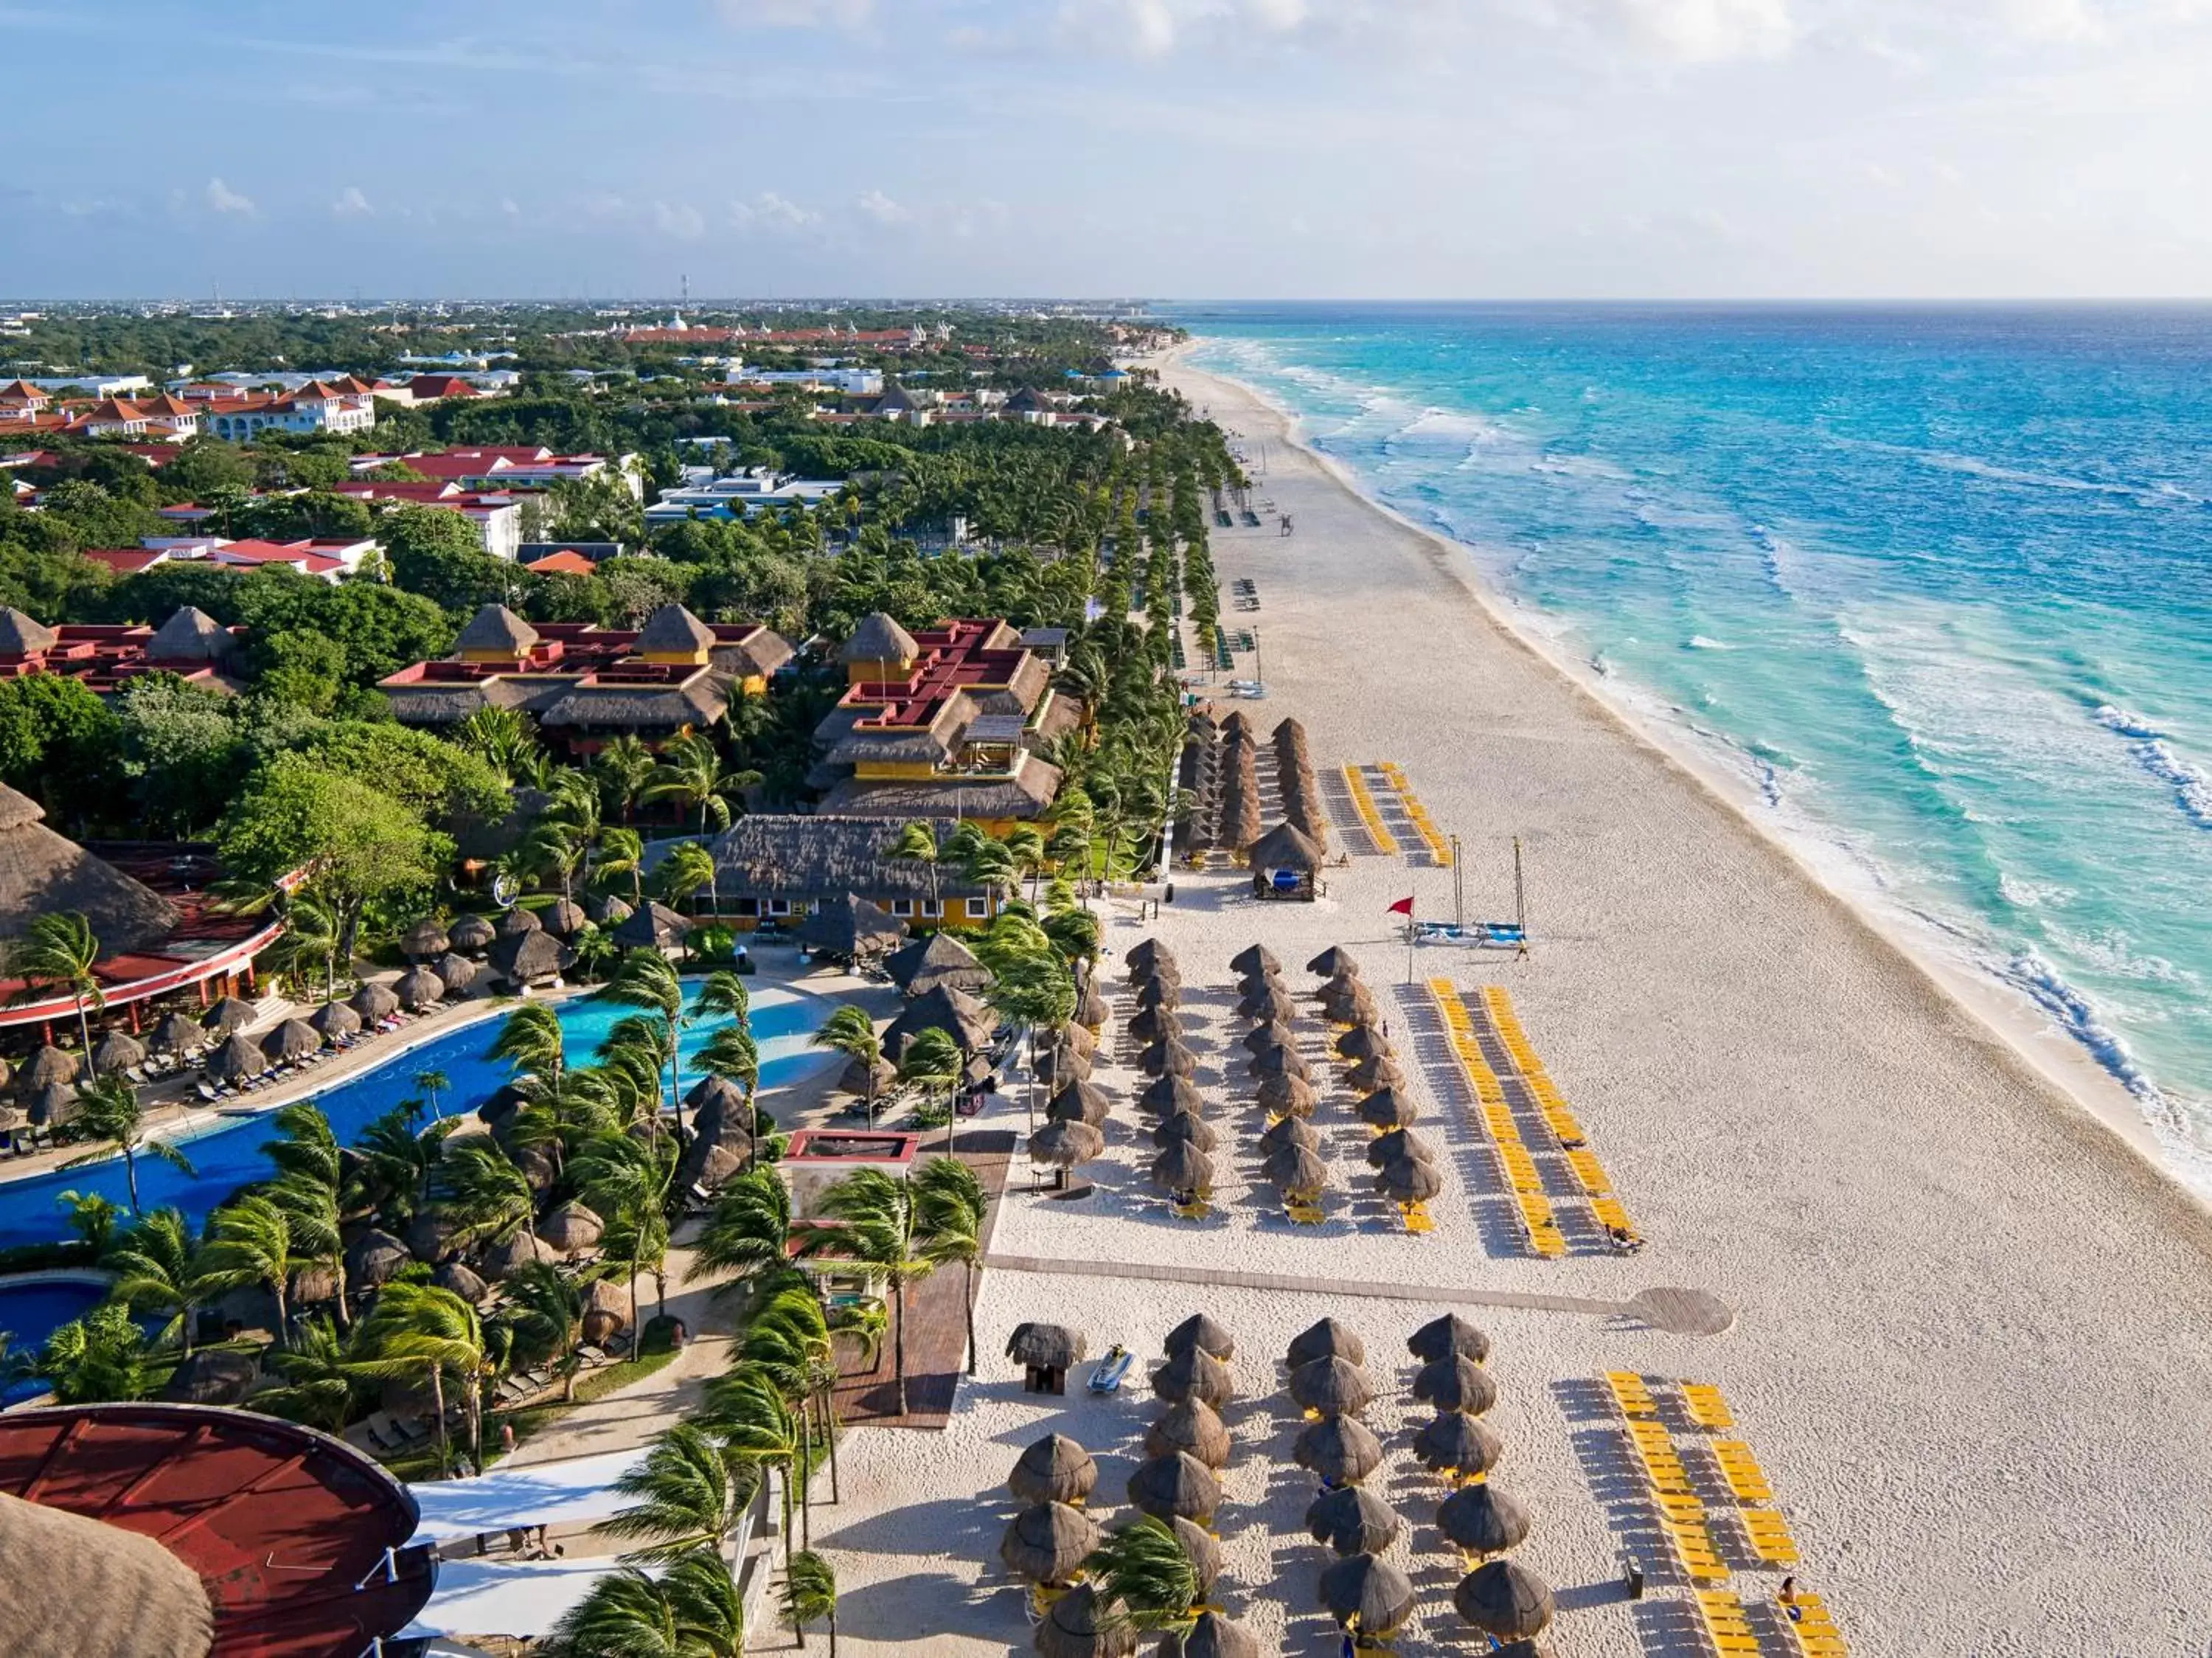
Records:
x=1089, y=149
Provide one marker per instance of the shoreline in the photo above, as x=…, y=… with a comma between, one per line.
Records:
x=2026, y=1032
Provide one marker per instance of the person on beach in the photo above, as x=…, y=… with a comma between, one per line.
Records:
x=1786, y=1598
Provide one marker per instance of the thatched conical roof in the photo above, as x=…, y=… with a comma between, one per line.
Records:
x=515, y=920
x=333, y=1019
x=940, y=959
x=52, y=1105
x=1171, y=1093
x=462, y=1281
x=1092, y=1009
x=48, y=1064
x=1339, y=1449
x=1273, y=1033
x=1409, y=1180
x=966, y=1019
x=1281, y=1062
x=42, y=872
x=572, y=1228
x=1455, y=1383
x=878, y=638
x=190, y=635
x=1168, y=1058
x=457, y=970
x=376, y=1258
x=1289, y=1131
x=1156, y=1024
x=1453, y=1444
x=1285, y=847
x=373, y=1002
x=239, y=1056
x=426, y=938
x=1353, y=1520
x=1442, y=1336
x=1183, y=1127
x=1483, y=1520
x=1048, y=1542
x=1192, y=1425
x=654, y=926
x=290, y=1039
x=1254, y=958
x=1369, y=1075
x=1200, y=1331
x=1182, y=1168
x=860, y=1078
x=1326, y=1339
x=227, y=1014
x=1079, y=1102
x=92, y=1590
x=1194, y=1373
x=848, y=925
x=419, y=988
x=1386, y=1149
x=1267, y=1001
x=1176, y=1483
x=1333, y=1387
x=1213, y=1635
x=1045, y=1346
x=1064, y=1142
x=673, y=631
x=1084, y=1624
x=217, y=1375
x=1288, y=1095
x=471, y=934
x=1053, y=1469
x=563, y=917
x=1145, y=954
x=1296, y=1170
x=1362, y=1042
x=500, y=1261
x=1386, y=1108
x=1505, y=1599
x=527, y=958
x=1158, y=991
x=496, y=630
x=1334, y=962
x=117, y=1049
x=176, y=1033
x=1365, y=1593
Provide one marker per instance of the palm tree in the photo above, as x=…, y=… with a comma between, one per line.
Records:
x=645, y=980
x=433, y=1083
x=917, y=842
x=250, y=1243
x=305, y=1147
x=394, y=1163
x=310, y=939
x=623, y=767
x=1143, y=1565
x=321, y=1386
x=158, y=1269
x=556, y=848
x=488, y=1192
x=690, y=1495
x=420, y=1330
x=746, y=1411
x=731, y=1054
x=108, y=1110
x=622, y=853
x=313, y=1212
x=949, y=1207
x=810, y=1595
x=691, y=1609
x=1026, y=847
x=688, y=867
x=627, y=1182
x=91, y=1217
x=851, y=1032
x=501, y=738
x=992, y=865
x=723, y=996
x=531, y=1041
x=690, y=772
x=934, y=1062
x=57, y=953
x=868, y=1217
x=747, y=1233
x=790, y=1325
x=544, y=1309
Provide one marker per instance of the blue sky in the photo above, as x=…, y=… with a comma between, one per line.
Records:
x=1163, y=148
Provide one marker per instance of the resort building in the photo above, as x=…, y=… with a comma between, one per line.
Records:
x=941, y=723
x=497, y=514
x=739, y=495
x=777, y=867
x=511, y=467
x=315, y=407
x=583, y=684
x=191, y=645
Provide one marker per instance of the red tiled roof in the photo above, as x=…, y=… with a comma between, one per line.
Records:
x=563, y=563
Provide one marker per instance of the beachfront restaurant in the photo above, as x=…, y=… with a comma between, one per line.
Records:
x=773, y=870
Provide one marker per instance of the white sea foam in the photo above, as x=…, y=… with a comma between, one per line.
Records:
x=2154, y=750
x=1699, y=641
x=2043, y=983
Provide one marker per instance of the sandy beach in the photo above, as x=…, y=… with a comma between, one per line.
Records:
x=1969, y=1321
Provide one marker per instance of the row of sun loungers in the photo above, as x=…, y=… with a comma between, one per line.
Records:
x=1440, y=853
x=1517, y=1167
x=1370, y=819
x=1582, y=1161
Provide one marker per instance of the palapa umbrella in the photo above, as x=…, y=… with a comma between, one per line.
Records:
x=1048, y=1542
x=1045, y=1346
x=1455, y=1445
x=175, y=1033
x=1275, y=1033
x=1363, y=1042
x=1092, y=1009
x=1327, y=1339
x=1200, y=1331
x=501, y=1261
x=1194, y=1373
x=1333, y=1387
x=563, y=917
x=461, y=1281
x=1159, y=991
x=1281, y=1062
x=1213, y=1636
x=374, y=1259
x=1354, y=1003
x=1267, y=1000
x=1171, y=1093
x=239, y=1055
x=1202, y=1548
x=1254, y=958
x=373, y=1002
x=1066, y=1142
x=1059, y=1066
x=1184, y=1127
x=1168, y=1058
x=1367, y=1595
x=10, y=1118
x=1289, y=1131
x=1442, y=1336
x=51, y=1105
x=1145, y=954
x=849, y=926
x=458, y=971
x=1339, y=1449
x=425, y=939
x=1054, y=1469
x=924, y=964
x=1296, y=1172
x=333, y=1019
x=1176, y=1483
x=1353, y=1520
x=1409, y=1180
x=1386, y=1108
x=289, y=1040
x=572, y=1228
x=1156, y=1024
x=1287, y=1096
x=1182, y=1168
x=117, y=1050
x=860, y=1078
x=226, y=1014
x=471, y=934
x=1079, y=1102
x=419, y=988
x=1371, y=1075
x=1506, y=1599
x=608, y=911
x=1191, y=1425
x=1482, y=1520
x=215, y=1377
x=1251, y=983
x=1386, y=1149
x=1455, y=1383
x=1334, y=962
x=514, y=920
x=1085, y=1624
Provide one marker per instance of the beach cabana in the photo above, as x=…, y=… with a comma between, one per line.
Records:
x=1296, y=1172
x=1182, y=1128
x=1273, y=1033
x=1332, y=1386
x=563, y=917
x=471, y=934
x=1442, y=1338
x=227, y=1014
x=1370, y=1075
x=1176, y=1483
x=1353, y=1520
x=1340, y=1450
x=924, y=965
x=1145, y=954
x=1334, y=962
x=1288, y=1095
x=1184, y=1171
x=239, y=1057
x=1200, y=1331
x=290, y=1040
x=1327, y=1339
x=1254, y=958
x=1193, y=1426
x=334, y=1019
x=848, y=927
x=1172, y=1093
x=1366, y=1595
x=1456, y=1446
x=1281, y=1062
x=1157, y=1025
x=1386, y=1149
x=1046, y=1352
x=1048, y=1542
x=457, y=970
x=425, y=940
x=1194, y=1373
x=960, y=1016
x=530, y=958
x=1504, y=1599
x=1285, y=863
x=1053, y=1469
x=1215, y=1635
x=1289, y=1131
x=1079, y=1102
x=1168, y=1058
x=652, y=926
x=117, y=1050
x=1480, y=1519
x=176, y=1034
x=1409, y=1180
x=419, y=988
x=1084, y=1624
x=1386, y=1109
x=572, y=1228
x=1455, y=1383
x=374, y=1002
x=1064, y=1143
x=1362, y=1042
x=515, y=920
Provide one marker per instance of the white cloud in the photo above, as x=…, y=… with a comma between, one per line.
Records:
x=352, y=205
x=850, y=15
x=773, y=214
x=882, y=209
x=680, y=220
x=1698, y=31
x=221, y=198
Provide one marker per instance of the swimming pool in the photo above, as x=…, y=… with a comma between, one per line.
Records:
x=228, y=1154
x=32, y=1309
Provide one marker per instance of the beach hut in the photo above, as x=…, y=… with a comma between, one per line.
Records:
x=374, y=1002
x=1213, y=1635
x=1157, y=991
x=563, y=917
x=332, y=1020
x=1353, y=1520
x=51, y=1105
x=1079, y=1102
x=1285, y=863
x=653, y=926
x=960, y=1016
x=227, y=1014
x=1193, y=1426
x=608, y=911
x=1386, y=1149
x=1281, y=1062
x=1332, y=1386
x=530, y=958
x=1060, y=1064
x=1156, y=1024
x=1267, y=1000
x=1048, y=1542
x=572, y=1228
x=427, y=938
x=1370, y=1075
x=239, y=1057
x=457, y=970
x=1167, y=1057
x=1287, y=1096
x=1200, y=1331
x=1338, y=1450
x=1053, y=1469
x=515, y=921
x=1442, y=1338
x=1064, y=1143
x=1347, y=1002
x=1480, y=1519
x=866, y=1081
x=1456, y=1446
x=502, y=1260
x=1184, y=1171
x=1194, y=1373
x=606, y=1312
x=925, y=964
x=1275, y=1033
x=1366, y=1595
x=117, y=1050
x=1170, y=1094
x=419, y=988
x=1069, y=1034
x=1045, y=1352
x=1362, y=1042
x=1504, y=1599
x=1176, y=1483
x=1085, y=1624
x=1254, y=958
x=1182, y=1128
x=471, y=934
x=1145, y=954
x=848, y=927
x=1334, y=962
x=376, y=1258
x=1386, y=1109
x=1409, y=1180
x=292, y=1039
x=1289, y=1131
x=1296, y=1172
x=176, y=1034
x=1455, y=1383
x=1327, y=1339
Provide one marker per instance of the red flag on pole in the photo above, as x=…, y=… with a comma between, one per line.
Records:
x=1403, y=906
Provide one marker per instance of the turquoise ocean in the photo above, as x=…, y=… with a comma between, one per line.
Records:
x=1936, y=584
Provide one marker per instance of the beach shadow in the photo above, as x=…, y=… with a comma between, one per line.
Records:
x=899, y=1611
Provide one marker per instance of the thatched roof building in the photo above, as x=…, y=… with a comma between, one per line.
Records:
x=925, y=964
x=849, y=926
x=1285, y=863
x=774, y=864
x=42, y=872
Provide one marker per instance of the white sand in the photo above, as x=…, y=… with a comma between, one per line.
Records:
x=1971, y=1345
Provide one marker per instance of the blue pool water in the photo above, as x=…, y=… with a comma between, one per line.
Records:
x=228, y=1155
x=29, y=1313
x=1935, y=582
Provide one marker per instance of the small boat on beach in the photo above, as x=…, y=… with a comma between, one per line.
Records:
x=1106, y=1376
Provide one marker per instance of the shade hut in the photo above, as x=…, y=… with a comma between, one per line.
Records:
x=1145, y=954
x=176, y=1034
x=501, y=1260
x=1456, y=1446
x=419, y=988
x=1092, y=1009
x=372, y=1003
x=527, y=958
x=1072, y=1035
x=1254, y=958
x=1267, y=1000
x=1409, y=1180
x=1172, y=1093
x=1327, y=1339
x=1194, y=1373
x=1048, y=1542
x=1274, y=1034
x=1455, y=1383
x=1176, y=1483
x=515, y=921
x=960, y=1016
x=1158, y=991
x=1045, y=1352
x=1059, y=1066
x=925, y=964
x=652, y=926
x=1168, y=1058
x=1213, y=1636
x=1442, y=1338
x=426, y=938
x=1085, y=1624
x=563, y=917
x=1347, y=1002
x=117, y=1050
x=1334, y=962
x=1200, y=1331
x=1288, y=1095
x=1190, y=1425
x=1386, y=1108
x=1386, y=1149
x=1054, y=1469
x=215, y=1376
x=860, y=1078
x=1353, y=1520
x=1362, y=1042
x=1281, y=1062
x=471, y=934
x=227, y=1014
x=1369, y=1075
x=1157, y=1025
x=1182, y=1128
x=290, y=1040
x=1296, y=1172
x=1289, y=1131
x=1339, y=1449
x=1285, y=863
x=1079, y=1102
x=332, y=1020
x=374, y=1259
x=461, y=1281
x=238, y=1057
x=1481, y=1520
x=457, y=970
x=51, y=1107
x=1332, y=1386
x=608, y=911
x=1182, y=1168
x=1506, y=1599
x=850, y=927
x=572, y=1228
x=606, y=1312
x=1064, y=1143
x=1366, y=1596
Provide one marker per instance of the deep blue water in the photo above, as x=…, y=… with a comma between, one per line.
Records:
x=230, y=1156
x=29, y=1313
x=1936, y=583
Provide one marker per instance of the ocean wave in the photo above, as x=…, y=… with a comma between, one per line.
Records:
x=2154, y=752
x=1698, y=642
x=2048, y=989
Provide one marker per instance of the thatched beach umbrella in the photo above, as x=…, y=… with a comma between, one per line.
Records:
x=1176, y=1483
x=1194, y=1373
x=1353, y=1520
x=1339, y=1449
x=1182, y=1127
x=1200, y=1331
x=515, y=921
x=176, y=1034
x=1348, y=1002
x=1456, y=1446
x=1048, y=1542
x=563, y=917
x=419, y=988
x=849, y=926
x=572, y=1228
x=1327, y=1339
x=1287, y=1096
x=1482, y=1520
x=1066, y=1142
x=1092, y=1009
x=608, y=911
x=332, y=1020
x=238, y=1057
x=925, y=964
x=1254, y=958
x=1506, y=1599
x=373, y=1002
x=1296, y=1172
x=1240, y=824
x=1409, y=1180
x=1362, y=1042
x=1215, y=1635
x=290, y=1040
x=457, y=970
x=214, y=1376
x=1386, y=1108
x=650, y=926
x=1386, y=1149
x=1191, y=1425
x=51, y=1105
x=1170, y=1094
x=1332, y=1386
x=1045, y=1346
x=606, y=1312
x=1369, y=1075
x=1365, y=1594
x=1145, y=953
x=1182, y=1168
x=462, y=1281
x=1085, y=1624
x=1334, y=962
x=1281, y=1062
x=524, y=958
x=1158, y=991
x=1168, y=1058
x=227, y=1014
x=117, y=1050
x=1267, y=1000
x=1272, y=1034
x=1156, y=1024
x=1441, y=1338
x=860, y=1078
x=374, y=1259
x=471, y=934
x=1053, y=1469
x=1059, y=1066
x=501, y=1261
x=1079, y=1102
x=1455, y=1383
x=1289, y=1131
x=425, y=939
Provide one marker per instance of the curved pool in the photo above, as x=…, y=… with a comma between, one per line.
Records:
x=227, y=1153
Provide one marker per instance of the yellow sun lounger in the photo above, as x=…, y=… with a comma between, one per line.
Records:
x=1816, y=1633
x=1770, y=1536
x=1707, y=1407
x=1741, y=1470
x=1726, y=1626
